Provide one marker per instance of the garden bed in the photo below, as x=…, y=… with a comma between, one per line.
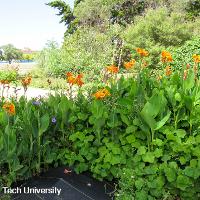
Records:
x=142, y=132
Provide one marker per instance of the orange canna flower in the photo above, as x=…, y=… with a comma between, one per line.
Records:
x=196, y=58
x=80, y=76
x=101, y=94
x=113, y=69
x=166, y=57
x=5, y=82
x=79, y=81
x=74, y=80
x=26, y=81
x=129, y=65
x=9, y=108
x=71, y=80
x=68, y=74
x=168, y=71
x=142, y=52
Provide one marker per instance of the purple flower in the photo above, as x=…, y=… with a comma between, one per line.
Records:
x=36, y=103
x=53, y=120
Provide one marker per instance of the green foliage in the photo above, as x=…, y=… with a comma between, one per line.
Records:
x=145, y=134
x=124, y=12
x=8, y=75
x=86, y=51
x=158, y=30
x=49, y=59
x=183, y=55
x=193, y=9
x=66, y=13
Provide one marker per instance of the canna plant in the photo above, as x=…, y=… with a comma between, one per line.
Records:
x=146, y=126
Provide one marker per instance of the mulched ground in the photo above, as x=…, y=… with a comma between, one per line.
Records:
x=73, y=186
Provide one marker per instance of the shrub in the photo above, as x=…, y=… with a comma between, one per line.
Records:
x=9, y=74
x=183, y=55
x=49, y=59
x=157, y=30
x=85, y=50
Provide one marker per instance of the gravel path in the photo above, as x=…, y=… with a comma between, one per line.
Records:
x=24, y=68
x=31, y=92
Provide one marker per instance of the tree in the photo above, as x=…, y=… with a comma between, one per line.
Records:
x=193, y=9
x=1, y=54
x=11, y=52
x=66, y=13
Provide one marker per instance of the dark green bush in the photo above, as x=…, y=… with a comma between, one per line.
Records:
x=158, y=30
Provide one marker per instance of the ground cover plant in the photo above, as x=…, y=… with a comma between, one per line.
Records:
x=142, y=131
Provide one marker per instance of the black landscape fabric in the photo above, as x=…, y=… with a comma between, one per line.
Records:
x=70, y=185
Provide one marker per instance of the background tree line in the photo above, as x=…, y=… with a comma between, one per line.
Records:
x=104, y=32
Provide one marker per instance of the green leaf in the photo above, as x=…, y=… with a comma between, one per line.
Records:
x=190, y=81
x=141, y=195
x=141, y=150
x=130, y=139
x=113, y=120
x=44, y=123
x=162, y=122
x=139, y=183
x=148, y=157
x=82, y=116
x=151, y=169
x=183, y=182
x=182, y=160
x=170, y=174
x=152, y=108
x=178, y=97
x=157, y=182
x=77, y=136
x=1, y=141
x=192, y=172
x=115, y=160
x=116, y=150
x=131, y=129
x=158, y=142
x=158, y=153
x=125, y=119
x=180, y=133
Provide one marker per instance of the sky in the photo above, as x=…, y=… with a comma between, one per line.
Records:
x=29, y=23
